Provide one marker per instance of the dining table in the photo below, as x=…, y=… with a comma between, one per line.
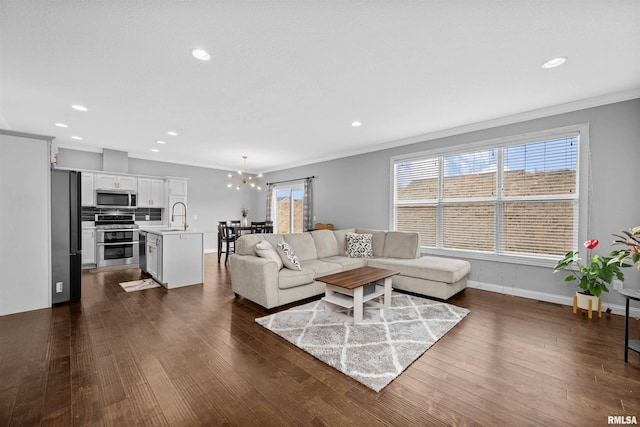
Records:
x=239, y=230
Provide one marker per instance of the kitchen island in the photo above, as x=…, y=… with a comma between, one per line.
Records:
x=174, y=258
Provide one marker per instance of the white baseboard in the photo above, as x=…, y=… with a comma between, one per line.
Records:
x=543, y=296
x=211, y=251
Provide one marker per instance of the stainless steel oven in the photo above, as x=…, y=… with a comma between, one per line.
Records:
x=117, y=240
x=117, y=247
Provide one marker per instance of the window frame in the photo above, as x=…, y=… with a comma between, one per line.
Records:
x=297, y=186
x=581, y=220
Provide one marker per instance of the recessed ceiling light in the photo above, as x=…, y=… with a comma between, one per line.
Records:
x=555, y=62
x=201, y=54
x=356, y=124
x=172, y=133
x=79, y=107
x=160, y=142
x=155, y=150
x=61, y=125
x=76, y=137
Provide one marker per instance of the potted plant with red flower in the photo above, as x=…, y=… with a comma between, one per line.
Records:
x=592, y=277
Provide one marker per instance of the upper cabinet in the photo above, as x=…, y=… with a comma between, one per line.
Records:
x=150, y=193
x=115, y=182
x=178, y=187
x=177, y=194
x=88, y=190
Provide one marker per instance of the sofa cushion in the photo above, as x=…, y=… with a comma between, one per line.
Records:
x=246, y=245
x=437, y=269
x=378, y=238
x=345, y=262
x=320, y=267
x=303, y=245
x=265, y=250
x=293, y=278
x=271, y=238
x=400, y=244
x=341, y=238
x=359, y=245
x=326, y=243
x=288, y=256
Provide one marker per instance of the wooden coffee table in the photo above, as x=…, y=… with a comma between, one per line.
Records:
x=353, y=288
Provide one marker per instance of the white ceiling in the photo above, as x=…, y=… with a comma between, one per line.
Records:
x=287, y=78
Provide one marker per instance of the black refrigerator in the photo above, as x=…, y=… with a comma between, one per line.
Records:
x=66, y=236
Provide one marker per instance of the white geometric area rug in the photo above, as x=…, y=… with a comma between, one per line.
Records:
x=139, y=285
x=376, y=350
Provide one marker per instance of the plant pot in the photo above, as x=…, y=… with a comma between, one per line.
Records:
x=245, y=222
x=587, y=302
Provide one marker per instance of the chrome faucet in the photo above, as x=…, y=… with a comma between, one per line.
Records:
x=185, y=214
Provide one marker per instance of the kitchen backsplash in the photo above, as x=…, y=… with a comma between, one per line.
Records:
x=155, y=214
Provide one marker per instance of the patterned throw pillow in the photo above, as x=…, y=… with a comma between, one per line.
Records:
x=359, y=245
x=288, y=256
x=265, y=250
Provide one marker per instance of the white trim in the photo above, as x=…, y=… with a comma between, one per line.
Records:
x=579, y=131
x=509, y=258
x=517, y=118
x=547, y=297
x=523, y=138
x=539, y=113
x=296, y=185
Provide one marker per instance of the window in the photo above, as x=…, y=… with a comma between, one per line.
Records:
x=517, y=196
x=288, y=204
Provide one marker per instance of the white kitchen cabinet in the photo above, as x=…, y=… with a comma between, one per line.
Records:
x=88, y=246
x=178, y=187
x=175, y=258
x=116, y=182
x=88, y=189
x=150, y=193
x=154, y=256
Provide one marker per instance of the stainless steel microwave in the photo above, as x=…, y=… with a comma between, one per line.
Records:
x=115, y=199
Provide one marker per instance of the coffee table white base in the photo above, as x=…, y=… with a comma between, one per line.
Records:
x=335, y=296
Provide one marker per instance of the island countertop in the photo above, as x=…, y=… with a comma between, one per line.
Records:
x=169, y=231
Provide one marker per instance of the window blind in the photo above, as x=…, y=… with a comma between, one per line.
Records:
x=515, y=198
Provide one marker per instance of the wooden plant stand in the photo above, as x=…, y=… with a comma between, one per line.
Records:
x=589, y=307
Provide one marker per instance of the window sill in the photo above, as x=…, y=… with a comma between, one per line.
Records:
x=547, y=262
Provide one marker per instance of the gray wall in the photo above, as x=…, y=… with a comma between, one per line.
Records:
x=355, y=191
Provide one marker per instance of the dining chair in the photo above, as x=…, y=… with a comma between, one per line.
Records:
x=228, y=238
x=268, y=226
x=258, y=227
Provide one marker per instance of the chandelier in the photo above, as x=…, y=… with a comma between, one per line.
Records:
x=243, y=179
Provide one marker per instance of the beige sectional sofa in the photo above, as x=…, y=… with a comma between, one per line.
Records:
x=323, y=252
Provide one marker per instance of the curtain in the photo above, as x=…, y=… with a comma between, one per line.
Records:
x=269, y=195
x=307, y=211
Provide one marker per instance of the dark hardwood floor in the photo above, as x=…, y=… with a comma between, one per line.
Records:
x=195, y=356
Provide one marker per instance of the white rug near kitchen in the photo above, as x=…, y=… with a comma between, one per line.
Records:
x=139, y=285
x=376, y=350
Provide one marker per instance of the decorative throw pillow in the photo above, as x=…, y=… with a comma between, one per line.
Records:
x=359, y=245
x=288, y=256
x=265, y=250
